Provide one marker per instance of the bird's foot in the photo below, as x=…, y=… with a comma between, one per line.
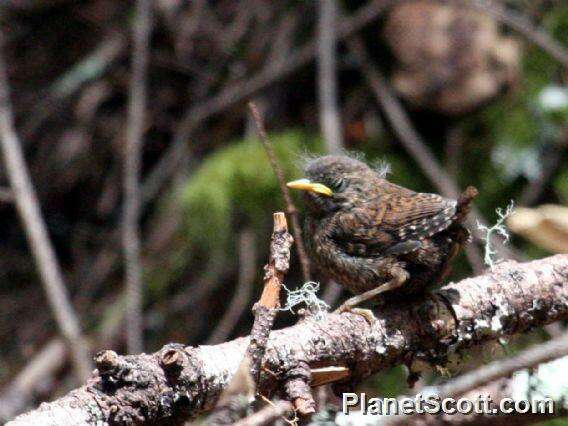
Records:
x=399, y=278
x=365, y=313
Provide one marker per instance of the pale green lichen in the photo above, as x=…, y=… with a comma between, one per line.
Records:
x=307, y=295
x=499, y=229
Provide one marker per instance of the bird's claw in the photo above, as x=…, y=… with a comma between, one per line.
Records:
x=365, y=313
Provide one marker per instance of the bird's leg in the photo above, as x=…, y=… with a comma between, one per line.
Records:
x=399, y=277
x=458, y=238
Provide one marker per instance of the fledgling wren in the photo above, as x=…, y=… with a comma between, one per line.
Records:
x=372, y=236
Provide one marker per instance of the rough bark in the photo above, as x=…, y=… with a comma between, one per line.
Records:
x=512, y=298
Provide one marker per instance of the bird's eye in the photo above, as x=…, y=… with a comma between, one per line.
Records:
x=338, y=184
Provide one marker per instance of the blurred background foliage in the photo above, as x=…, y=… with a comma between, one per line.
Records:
x=69, y=70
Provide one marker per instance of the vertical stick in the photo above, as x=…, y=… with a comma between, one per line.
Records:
x=243, y=293
x=44, y=255
x=330, y=122
x=132, y=160
x=290, y=207
x=266, y=308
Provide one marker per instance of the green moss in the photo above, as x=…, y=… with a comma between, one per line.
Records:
x=238, y=179
x=233, y=187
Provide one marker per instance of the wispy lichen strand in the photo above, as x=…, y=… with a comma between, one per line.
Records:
x=498, y=229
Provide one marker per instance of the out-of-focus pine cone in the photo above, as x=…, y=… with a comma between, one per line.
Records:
x=449, y=58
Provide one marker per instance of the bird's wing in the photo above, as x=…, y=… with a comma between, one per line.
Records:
x=418, y=215
x=396, y=216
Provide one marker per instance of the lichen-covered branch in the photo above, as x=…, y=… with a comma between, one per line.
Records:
x=266, y=308
x=512, y=298
x=529, y=358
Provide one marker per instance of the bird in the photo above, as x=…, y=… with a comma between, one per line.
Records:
x=372, y=236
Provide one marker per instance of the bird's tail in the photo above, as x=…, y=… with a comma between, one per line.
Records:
x=464, y=203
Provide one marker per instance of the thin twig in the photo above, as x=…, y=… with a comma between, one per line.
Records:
x=87, y=69
x=410, y=138
x=267, y=415
x=17, y=394
x=531, y=357
x=43, y=252
x=523, y=26
x=330, y=122
x=290, y=207
x=474, y=383
x=454, y=150
x=241, y=90
x=133, y=153
x=453, y=162
x=241, y=299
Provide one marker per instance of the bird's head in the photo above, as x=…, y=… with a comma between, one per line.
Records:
x=334, y=182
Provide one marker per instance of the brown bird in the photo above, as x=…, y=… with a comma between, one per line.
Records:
x=373, y=236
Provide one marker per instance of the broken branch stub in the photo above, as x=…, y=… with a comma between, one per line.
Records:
x=267, y=307
x=278, y=263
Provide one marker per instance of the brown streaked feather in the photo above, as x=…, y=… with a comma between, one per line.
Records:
x=396, y=216
x=418, y=216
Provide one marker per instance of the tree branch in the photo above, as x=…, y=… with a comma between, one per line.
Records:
x=242, y=90
x=131, y=176
x=528, y=358
x=267, y=307
x=330, y=121
x=512, y=298
x=42, y=249
x=267, y=415
x=247, y=259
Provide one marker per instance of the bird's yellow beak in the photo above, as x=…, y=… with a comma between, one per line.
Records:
x=307, y=185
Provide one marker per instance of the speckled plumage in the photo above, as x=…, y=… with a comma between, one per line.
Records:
x=371, y=231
